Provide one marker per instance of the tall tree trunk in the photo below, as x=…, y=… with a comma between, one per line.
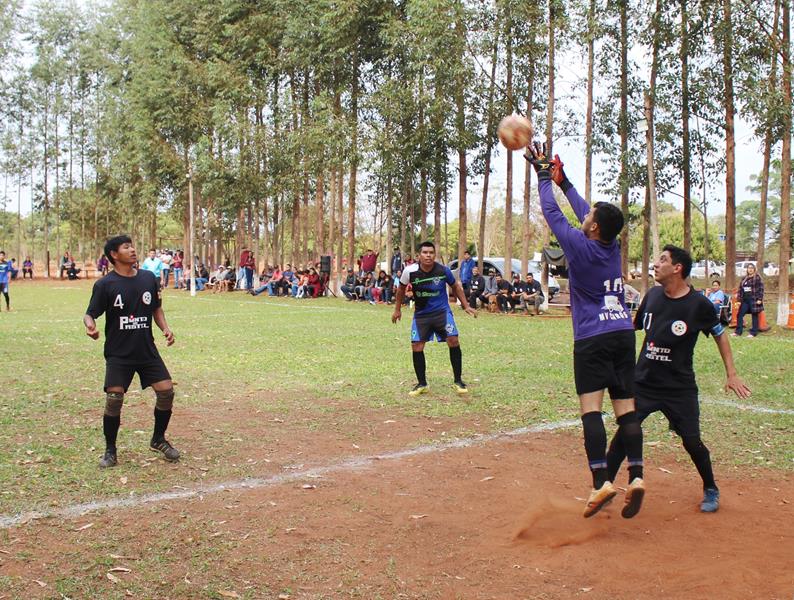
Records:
x=46, y=190
x=319, y=201
x=351, y=216
x=437, y=193
x=785, y=173
x=588, y=135
x=508, y=237
x=544, y=277
x=460, y=122
x=646, y=236
x=730, y=147
x=624, y=134
x=340, y=191
x=295, y=225
x=653, y=213
x=772, y=86
x=686, y=169
x=404, y=216
x=57, y=190
x=488, y=149
x=389, y=223
x=422, y=204
x=332, y=224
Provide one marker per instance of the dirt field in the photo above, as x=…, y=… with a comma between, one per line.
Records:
x=498, y=519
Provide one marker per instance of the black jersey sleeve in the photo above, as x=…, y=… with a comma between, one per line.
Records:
x=98, y=303
x=157, y=300
x=639, y=318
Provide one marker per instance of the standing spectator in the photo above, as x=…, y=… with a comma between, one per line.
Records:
x=751, y=296
x=167, y=259
x=14, y=269
x=5, y=276
x=477, y=288
x=27, y=267
x=177, y=265
x=396, y=262
x=532, y=294
x=349, y=287
x=102, y=265
x=503, y=292
x=153, y=264
x=241, y=278
x=466, y=270
x=369, y=261
x=249, y=267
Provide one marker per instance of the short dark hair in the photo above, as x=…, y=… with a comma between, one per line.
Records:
x=717, y=281
x=467, y=252
x=112, y=245
x=679, y=256
x=610, y=220
x=427, y=244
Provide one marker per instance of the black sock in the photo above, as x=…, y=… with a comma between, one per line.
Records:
x=8, y=299
x=161, y=418
x=615, y=456
x=110, y=427
x=419, y=366
x=700, y=455
x=456, y=358
x=630, y=432
x=595, y=445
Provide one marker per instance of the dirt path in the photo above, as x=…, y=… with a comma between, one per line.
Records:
x=500, y=520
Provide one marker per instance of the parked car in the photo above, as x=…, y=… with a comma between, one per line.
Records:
x=714, y=270
x=771, y=269
x=533, y=267
x=741, y=267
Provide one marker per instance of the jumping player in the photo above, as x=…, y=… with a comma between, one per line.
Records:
x=672, y=316
x=604, y=339
x=130, y=299
x=5, y=278
x=432, y=313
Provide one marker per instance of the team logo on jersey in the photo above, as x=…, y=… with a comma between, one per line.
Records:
x=450, y=328
x=679, y=328
x=147, y=298
x=436, y=280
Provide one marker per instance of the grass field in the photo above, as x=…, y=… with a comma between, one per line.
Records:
x=328, y=359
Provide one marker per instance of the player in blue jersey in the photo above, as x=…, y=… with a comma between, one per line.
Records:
x=5, y=277
x=432, y=313
x=603, y=333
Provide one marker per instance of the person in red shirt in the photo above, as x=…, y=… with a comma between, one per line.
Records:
x=369, y=261
x=314, y=285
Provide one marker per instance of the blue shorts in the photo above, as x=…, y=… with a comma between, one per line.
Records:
x=440, y=324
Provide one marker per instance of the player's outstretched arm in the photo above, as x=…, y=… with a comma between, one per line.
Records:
x=90, y=327
x=734, y=382
x=580, y=207
x=398, y=303
x=159, y=318
x=461, y=296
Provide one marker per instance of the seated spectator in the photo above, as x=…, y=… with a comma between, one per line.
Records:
x=314, y=285
x=476, y=288
x=503, y=292
x=349, y=287
x=102, y=265
x=72, y=272
x=202, y=277
x=27, y=268
x=532, y=294
x=64, y=263
x=275, y=284
x=715, y=295
x=518, y=287
x=301, y=287
x=287, y=280
x=491, y=291
x=369, y=286
x=384, y=287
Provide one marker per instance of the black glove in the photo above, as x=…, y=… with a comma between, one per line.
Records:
x=536, y=155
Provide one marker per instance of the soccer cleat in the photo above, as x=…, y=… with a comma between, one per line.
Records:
x=108, y=460
x=418, y=389
x=634, y=496
x=170, y=453
x=461, y=388
x=711, y=500
x=599, y=499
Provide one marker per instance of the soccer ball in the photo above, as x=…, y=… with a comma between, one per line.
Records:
x=515, y=132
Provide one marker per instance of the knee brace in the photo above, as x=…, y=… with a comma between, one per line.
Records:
x=165, y=399
x=113, y=404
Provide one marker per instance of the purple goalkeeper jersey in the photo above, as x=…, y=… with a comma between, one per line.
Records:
x=594, y=274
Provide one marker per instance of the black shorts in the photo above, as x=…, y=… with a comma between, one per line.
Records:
x=120, y=375
x=440, y=325
x=605, y=361
x=681, y=407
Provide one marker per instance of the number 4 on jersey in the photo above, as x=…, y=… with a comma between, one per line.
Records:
x=117, y=302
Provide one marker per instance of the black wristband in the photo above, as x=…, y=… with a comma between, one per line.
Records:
x=544, y=175
x=565, y=185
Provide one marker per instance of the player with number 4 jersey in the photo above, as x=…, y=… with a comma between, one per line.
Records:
x=603, y=333
x=130, y=300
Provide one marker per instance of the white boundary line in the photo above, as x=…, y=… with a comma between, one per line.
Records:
x=750, y=407
x=344, y=465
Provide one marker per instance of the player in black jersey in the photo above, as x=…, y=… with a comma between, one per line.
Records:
x=432, y=314
x=672, y=316
x=130, y=300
